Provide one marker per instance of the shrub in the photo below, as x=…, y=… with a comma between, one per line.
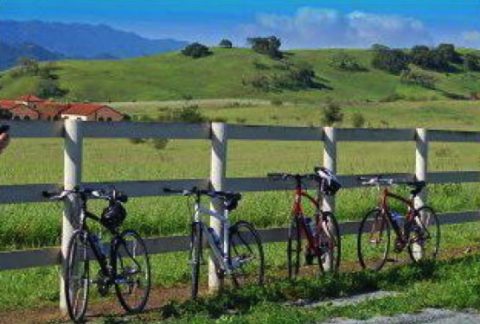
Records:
x=196, y=50
x=160, y=143
x=258, y=81
x=418, y=77
x=226, y=43
x=276, y=102
x=188, y=114
x=300, y=76
x=266, y=45
x=332, y=113
x=358, y=121
x=345, y=62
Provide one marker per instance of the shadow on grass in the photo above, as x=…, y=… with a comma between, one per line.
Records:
x=242, y=301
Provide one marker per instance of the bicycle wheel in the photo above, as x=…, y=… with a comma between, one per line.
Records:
x=246, y=255
x=296, y=256
x=373, y=242
x=77, y=279
x=329, y=242
x=424, y=242
x=196, y=256
x=132, y=271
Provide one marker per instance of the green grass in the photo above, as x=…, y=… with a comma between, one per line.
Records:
x=174, y=76
x=41, y=161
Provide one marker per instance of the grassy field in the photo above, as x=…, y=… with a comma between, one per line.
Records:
x=173, y=76
x=35, y=225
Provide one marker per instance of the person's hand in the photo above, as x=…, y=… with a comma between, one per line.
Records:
x=4, y=140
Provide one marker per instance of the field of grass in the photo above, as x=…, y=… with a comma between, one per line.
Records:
x=173, y=76
x=41, y=161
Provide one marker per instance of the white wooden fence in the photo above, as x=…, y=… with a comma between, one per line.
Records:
x=74, y=132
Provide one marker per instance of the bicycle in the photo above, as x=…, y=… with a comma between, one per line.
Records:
x=419, y=231
x=236, y=252
x=322, y=234
x=125, y=264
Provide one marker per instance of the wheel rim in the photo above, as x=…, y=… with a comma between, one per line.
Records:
x=132, y=272
x=246, y=256
x=424, y=236
x=77, y=277
x=374, y=240
x=310, y=262
x=293, y=250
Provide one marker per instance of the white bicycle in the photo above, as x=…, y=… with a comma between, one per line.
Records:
x=236, y=252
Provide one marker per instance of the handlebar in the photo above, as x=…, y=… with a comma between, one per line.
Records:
x=287, y=176
x=87, y=193
x=198, y=192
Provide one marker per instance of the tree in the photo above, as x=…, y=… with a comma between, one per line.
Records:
x=471, y=62
x=196, y=50
x=390, y=60
x=28, y=65
x=332, y=113
x=448, y=53
x=267, y=45
x=421, y=56
x=345, y=62
x=226, y=43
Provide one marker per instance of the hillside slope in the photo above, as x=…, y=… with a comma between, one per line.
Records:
x=173, y=76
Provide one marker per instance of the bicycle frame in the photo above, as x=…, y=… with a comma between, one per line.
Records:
x=221, y=255
x=384, y=206
x=297, y=211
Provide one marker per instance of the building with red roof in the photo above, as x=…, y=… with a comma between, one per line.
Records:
x=92, y=112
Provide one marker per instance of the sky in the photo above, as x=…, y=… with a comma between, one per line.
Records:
x=299, y=23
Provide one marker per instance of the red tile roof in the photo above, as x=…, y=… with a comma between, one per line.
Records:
x=30, y=98
x=52, y=108
x=8, y=104
x=83, y=109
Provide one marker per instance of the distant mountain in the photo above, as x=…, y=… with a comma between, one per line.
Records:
x=85, y=41
x=9, y=54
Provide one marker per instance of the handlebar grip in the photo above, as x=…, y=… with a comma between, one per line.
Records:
x=47, y=194
x=176, y=191
x=276, y=176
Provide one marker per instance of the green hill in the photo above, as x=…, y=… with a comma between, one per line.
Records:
x=222, y=75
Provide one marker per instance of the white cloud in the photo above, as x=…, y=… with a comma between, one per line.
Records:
x=313, y=27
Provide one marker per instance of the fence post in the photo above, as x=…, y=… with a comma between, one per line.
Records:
x=421, y=164
x=217, y=179
x=329, y=162
x=72, y=178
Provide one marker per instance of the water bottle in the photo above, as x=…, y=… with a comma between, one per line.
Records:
x=311, y=225
x=98, y=243
x=216, y=239
x=397, y=219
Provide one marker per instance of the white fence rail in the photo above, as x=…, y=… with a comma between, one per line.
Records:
x=219, y=134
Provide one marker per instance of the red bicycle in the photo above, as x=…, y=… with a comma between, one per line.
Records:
x=418, y=230
x=321, y=235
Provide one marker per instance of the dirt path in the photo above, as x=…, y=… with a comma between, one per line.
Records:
x=161, y=296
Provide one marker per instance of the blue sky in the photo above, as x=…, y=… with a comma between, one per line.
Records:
x=328, y=23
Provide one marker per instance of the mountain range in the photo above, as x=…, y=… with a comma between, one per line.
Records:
x=54, y=40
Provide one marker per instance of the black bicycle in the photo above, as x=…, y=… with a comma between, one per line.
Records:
x=123, y=264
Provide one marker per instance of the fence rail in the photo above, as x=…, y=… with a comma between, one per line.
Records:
x=73, y=133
